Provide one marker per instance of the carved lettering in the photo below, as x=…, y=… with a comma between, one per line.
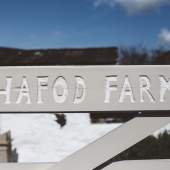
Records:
x=109, y=87
x=144, y=88
x=126, y=90
x=61, y=84
x=164, y=86
x=7, y=90
x=24, y=92
x=42, y=85
x=79, y=97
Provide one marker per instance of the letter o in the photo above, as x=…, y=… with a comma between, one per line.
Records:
x=60, y=98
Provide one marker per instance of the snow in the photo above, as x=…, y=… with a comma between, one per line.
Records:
x=166, y=128
x=39, y=53
x=38, y=138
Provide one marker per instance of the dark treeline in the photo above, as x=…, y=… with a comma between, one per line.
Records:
x=140, y=55
x=134, y=55
x=149, y=148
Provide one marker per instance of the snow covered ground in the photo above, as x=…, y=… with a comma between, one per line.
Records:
x=38, y=138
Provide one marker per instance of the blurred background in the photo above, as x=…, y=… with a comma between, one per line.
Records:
x=84, y=32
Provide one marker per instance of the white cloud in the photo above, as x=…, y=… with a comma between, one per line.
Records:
x=164, y=37
x=134, y=6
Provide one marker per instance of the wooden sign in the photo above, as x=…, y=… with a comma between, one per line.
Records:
x=84, y=88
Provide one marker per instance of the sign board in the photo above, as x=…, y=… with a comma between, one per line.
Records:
x=88, y=89
x=84, y=88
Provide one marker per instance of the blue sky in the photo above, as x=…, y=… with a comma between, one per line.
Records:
x=84, y=23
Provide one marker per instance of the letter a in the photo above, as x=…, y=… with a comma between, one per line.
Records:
x=126, y=91
x=24, y=91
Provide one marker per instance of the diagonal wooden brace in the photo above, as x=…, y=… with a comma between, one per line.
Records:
x=112, y=144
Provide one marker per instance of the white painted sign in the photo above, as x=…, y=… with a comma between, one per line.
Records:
x=84, y=88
